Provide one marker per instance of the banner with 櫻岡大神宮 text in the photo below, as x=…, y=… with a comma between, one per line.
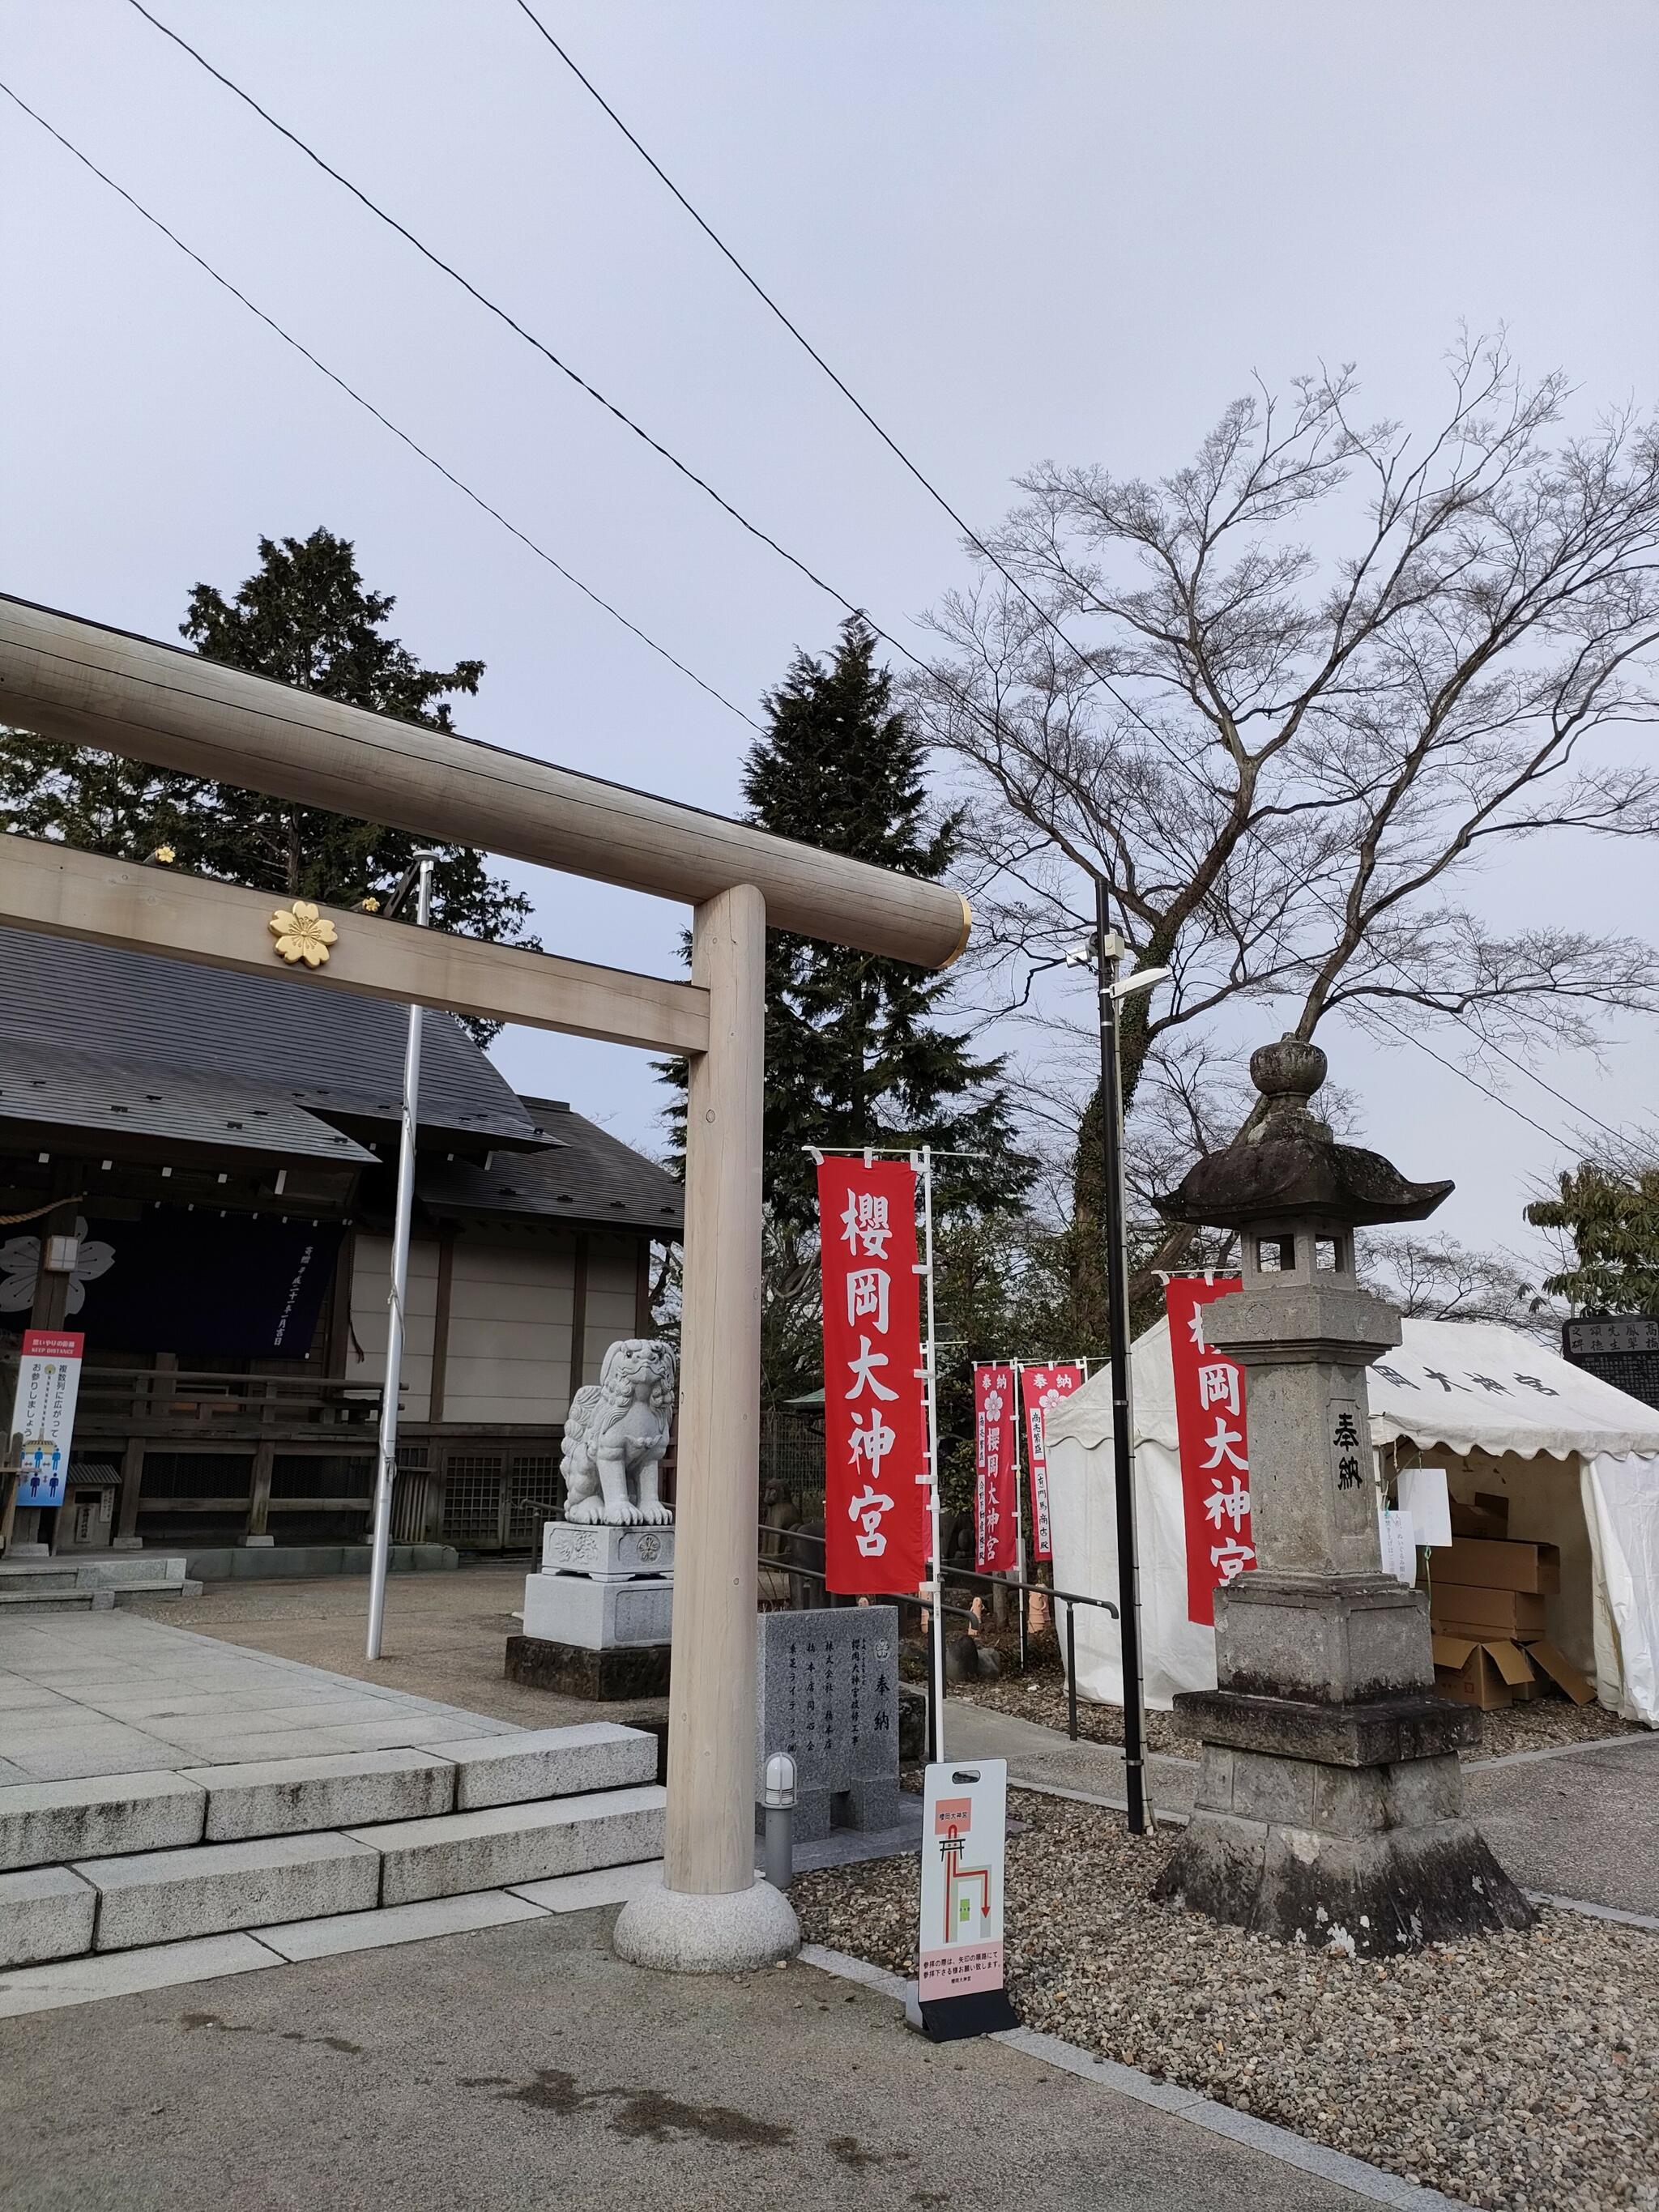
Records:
x=877, y=1475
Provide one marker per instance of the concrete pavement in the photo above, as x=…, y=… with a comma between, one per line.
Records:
x=1035, y=1753
x=523, y=2067
x=1581, y=1822
x=1577, y=1822
x=445, y=1637
x=84, y=1694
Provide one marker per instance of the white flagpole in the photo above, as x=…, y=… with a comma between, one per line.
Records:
x=386, y=1474
x=938, y=1655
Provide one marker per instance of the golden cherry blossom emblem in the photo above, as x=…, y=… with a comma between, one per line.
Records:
x=302, y=933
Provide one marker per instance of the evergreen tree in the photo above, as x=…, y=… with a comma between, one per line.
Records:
x=856, y=1052
x=856, y=1048
x=1611, y=1214
x=303, y=618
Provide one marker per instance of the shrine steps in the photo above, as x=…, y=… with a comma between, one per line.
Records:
x=120, y=1862
x=93, y=1584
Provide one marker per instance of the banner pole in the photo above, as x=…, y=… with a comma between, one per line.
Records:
x=937, y=1653
x=1018, y=1371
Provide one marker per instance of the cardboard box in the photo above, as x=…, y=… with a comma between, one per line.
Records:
x=1489, y=1515
x=1465, y=1608
x=1561, y=1671
x=1484, y=1674
x=1501, y=1563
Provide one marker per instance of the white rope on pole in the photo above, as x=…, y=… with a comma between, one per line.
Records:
x=938, y=1654
x=1017, y=1369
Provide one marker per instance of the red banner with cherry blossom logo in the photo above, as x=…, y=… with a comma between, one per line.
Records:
x=995, y=1480
x=1215, y=1458
x=1041, y=1389
x=875, y=1412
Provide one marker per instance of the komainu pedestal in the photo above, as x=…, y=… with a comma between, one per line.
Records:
x=1329, y=1805
x=599, y=1617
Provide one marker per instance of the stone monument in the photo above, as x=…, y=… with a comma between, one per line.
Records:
x=1329, y=1805
x=828, y=1694
x=598, y=1615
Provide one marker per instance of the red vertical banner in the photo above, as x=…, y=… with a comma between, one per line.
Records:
x=1041, y=1389
x=995, y=1481
x=877, y=1477
x=1215, y=1457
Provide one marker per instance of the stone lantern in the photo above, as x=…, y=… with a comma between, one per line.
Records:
x=1329, y=1806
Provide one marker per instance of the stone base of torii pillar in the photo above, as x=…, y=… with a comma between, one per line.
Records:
x=1329, y=1804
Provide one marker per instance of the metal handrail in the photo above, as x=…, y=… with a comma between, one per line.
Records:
x=1070, y=1598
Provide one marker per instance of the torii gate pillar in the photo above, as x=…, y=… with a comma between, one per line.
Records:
x=711, y=1914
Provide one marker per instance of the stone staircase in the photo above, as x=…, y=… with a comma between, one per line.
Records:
x=118, y=1862
x=95, y=1583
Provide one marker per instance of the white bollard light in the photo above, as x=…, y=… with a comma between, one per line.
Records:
x=778, y=1800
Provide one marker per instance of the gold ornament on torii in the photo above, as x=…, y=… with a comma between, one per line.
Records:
x=302, y=933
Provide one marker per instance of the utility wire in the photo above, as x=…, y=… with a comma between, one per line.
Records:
x=735, y=513
x=940, y=500
x=529, y=338
x=369, y=406
x=796, y=333
x=1497, y=1097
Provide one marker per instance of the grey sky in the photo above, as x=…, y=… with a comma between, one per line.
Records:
x=1018, y=231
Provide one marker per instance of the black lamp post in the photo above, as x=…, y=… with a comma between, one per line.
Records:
x=1109, y=949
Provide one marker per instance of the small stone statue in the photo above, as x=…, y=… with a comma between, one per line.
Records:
x=615, y=1434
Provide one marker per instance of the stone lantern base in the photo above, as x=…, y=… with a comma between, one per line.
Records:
x=1336, y=1822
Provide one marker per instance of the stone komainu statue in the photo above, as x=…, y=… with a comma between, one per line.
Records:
x=615, y=1434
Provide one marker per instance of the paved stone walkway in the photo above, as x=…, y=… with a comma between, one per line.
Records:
x=94, y=1693
x=1582, y=1823
x=525, y=2067
x=1579, y=1822
x=1035, y=1753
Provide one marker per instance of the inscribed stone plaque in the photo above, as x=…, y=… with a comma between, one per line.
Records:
x=1350, y=1435
x=828, y=1694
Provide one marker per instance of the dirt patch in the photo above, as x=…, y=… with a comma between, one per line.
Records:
x=634, y=2113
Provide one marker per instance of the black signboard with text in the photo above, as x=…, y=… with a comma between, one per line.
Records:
x=1622, y=1349
x=243, y=1285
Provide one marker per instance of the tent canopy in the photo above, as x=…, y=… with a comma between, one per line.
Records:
x=1466, y=1385
x=1470, y=1389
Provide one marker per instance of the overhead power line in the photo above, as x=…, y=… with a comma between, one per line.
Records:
x=793, y=329
x=735, y=513
x=369, y=406
x=971, y=535
x=495, y=308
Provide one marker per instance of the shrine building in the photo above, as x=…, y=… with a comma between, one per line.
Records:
x=223, y=1149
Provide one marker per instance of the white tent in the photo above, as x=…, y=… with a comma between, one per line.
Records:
x=1578, y=1460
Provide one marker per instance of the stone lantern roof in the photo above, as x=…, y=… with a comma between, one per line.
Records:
x=1288, y=1164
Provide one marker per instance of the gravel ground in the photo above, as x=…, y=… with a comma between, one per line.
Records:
x=1039, y=1695
x=1519, y=2073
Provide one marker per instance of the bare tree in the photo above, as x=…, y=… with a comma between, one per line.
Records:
x=1436, y=1279
x=1286, y=767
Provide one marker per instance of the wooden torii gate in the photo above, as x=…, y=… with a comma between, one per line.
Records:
x=77, y=681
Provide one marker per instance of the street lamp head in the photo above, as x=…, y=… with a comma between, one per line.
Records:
x=1144, y=979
